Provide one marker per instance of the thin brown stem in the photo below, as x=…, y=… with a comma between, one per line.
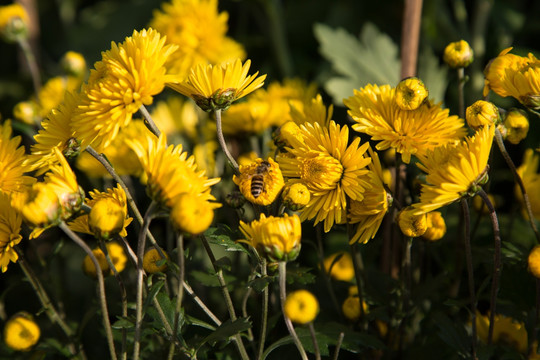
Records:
x=314, y=339
x=461, y=92
x=410, y=35
x=223, y=143
x=150, y=124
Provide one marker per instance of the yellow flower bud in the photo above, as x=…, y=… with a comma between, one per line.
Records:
x=192, y=214
x=411, y=93
x=39, y=205
x=436, y=226
x=27, y=112
x=295, y=196
x=482, y=113
x=117, y=255
x=515, y=126
x=260, y=182
x=235, y=199
x=21, y=332
x=152, y=258
x=351, y=307
x=74, y=64
x=412, y=225
x=301, y=307
x=458, y=54
x=13, y=22
x=286, y=134
x=342, y=269
x=534, y=261
x=106, y=219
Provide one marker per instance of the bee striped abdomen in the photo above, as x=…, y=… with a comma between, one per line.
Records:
x=257, y=185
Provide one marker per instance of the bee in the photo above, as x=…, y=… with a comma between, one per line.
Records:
x=257, y=179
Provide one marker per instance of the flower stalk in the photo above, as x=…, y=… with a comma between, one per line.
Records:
x=223, y=144
x=150, y=124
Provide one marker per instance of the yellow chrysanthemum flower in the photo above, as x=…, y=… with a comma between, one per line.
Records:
x=458, y=54
x=528, y=171
x=455, y=171
x=21, y=332
x=191, y=213
x=81, y=223
x=56, y=132
x=411, y=93
x=53, y=92
x=106, y=218
x=27, y=112
x=248, y=117
x=410, y=132
x=127, y=77
x=14, y=22
x=329, y=167
x=295, y=196
x=312, y=112
x=506, y=331
x=10, y=228
x=351, y=308
x=516, y=76
x=277, y=238
x=12, y=162
x=515, y=126
x=39, y=206
x=301, y=307
x=410, y=223
x=74, y=64
x=342, y=269
x=260, y=182
x=218, y=86
x=118, y=258
x=151, y=259
x=176, y=115
x=369, y=212
x=200, y=31
x=436, y=226
x=170, y=172
x=482, y=113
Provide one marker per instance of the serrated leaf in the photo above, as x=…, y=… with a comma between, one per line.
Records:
x=223, y=236
x=226, y=330
x=167, y=306
x=300, y=275
x=156, y=286
x=259, y=284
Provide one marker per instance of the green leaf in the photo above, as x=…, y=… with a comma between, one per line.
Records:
x=205, y=278
x=152, y=293
x=300, y=275
x=226, y=330
x=223, y=236
x=259, y=284
x=167, y=306
x=123, y=323
x=371, y=59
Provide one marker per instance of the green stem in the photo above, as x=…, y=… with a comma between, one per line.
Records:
x=226, y=296
x=223, y=144
x=150, y=124
x=496, y=264
x=470, y=270
x=264, y=315
x=282, y=267
x=201, y=304
x=45, y=301
x=180, y=291
x=101, y=287
x=140, y=275
x=357, y=263
x=32, y=65
x=461, y=93
x=314, y=339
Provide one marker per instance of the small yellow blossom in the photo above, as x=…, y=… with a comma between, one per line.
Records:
x=482, y=113
x=54, y=91
x=295, y=196
x=351, y=308
x=411, y=224
x=312, y=112
x=301, y=307
x=27, y=112
x=118, y=258
x=342, y=269
x=436, y=226
x=528, y=171
x=458, y=54
x=506, y=331
x=74, y=64
x=515, y=126
x=411, y=93
x=278, y=238
x=106, y=218
x=192, y=214
x=14, y=22
x=534, y=261
x=152, y=258
x=260, y=182
x=10, y=228
x=284, y=135
x=39, y=205
x=215, y=87
x=21, y=332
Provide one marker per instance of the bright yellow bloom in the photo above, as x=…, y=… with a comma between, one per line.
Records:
x=128, y=76
x=458, y=54
x=53, y=92
x=515, y=126
x=218, y=86
x=369, y=212
x=177, y=115
x=39, y=205
x=191, y=213
x=295, y=196
x=249, y=117
x=342, y=269
x=200, y=30
x=106, y=218
x=455, y=171
x=534, y=261
x=411, y=224
x=118, y=258
x=151, y=259
x=277, y=238
x=506, y=331
x=260, y=182
x=411, y=93
x=329, y=167
x=285, y=133
x=14, y=22
x=351, y=307
x=436, y=226
x=410, y=132
x=170, y=171
x=482, y=113
x=528, y=171
x=27, y=112
x=301, y=307
x=12, y=162
x=56, y=132
x=10, y=228
x=312, y=112
x=516, y=76
x=74, y=64
x=21, y=332
x=81, y=223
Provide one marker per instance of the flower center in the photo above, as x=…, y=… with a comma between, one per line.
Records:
x=321, y=171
